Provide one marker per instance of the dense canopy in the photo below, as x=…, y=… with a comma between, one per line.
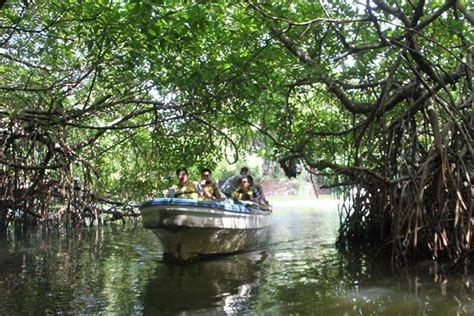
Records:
x=109, y=97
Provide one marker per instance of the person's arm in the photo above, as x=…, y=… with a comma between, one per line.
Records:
x=205, y=193
x=235, y=195
x=230, y=185
x=257, y=197
x=225, y=188
x=258, y=189
x=198, y=188
x=217, y=193
x=171, y=192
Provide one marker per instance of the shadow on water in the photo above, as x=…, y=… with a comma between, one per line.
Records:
x=225, y=283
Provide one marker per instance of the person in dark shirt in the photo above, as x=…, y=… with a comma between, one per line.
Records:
x=232, y=183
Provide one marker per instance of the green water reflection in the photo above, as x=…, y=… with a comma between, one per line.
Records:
x=119, y=269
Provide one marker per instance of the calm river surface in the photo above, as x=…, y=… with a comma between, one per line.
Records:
x=119, y=270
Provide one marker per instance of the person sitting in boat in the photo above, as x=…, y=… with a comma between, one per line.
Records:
x=185, y=188
x=232, y=184
x=246, y=193
x=210, y=191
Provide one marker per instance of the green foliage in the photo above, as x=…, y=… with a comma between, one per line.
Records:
x=139, y=88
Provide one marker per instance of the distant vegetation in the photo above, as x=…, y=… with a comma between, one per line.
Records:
x=102, y=100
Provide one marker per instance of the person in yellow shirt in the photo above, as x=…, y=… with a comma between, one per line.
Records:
x=246, y=193
x=210, y=191
x=185, y=188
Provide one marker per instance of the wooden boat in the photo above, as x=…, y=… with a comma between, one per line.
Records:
x=189, y=229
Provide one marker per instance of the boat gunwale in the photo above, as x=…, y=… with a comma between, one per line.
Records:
x=196, y=211
x=212, y=207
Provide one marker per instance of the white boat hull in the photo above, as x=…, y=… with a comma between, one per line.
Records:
x=191, y=229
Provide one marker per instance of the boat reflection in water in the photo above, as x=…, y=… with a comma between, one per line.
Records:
x=189, y=229
x=205, y=287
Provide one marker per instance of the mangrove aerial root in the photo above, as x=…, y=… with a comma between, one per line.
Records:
x=423, y=207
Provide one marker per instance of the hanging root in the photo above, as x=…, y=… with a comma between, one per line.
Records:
x=43, y=181
x=423, y=208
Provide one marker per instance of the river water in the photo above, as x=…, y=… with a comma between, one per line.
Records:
x=119, y=270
